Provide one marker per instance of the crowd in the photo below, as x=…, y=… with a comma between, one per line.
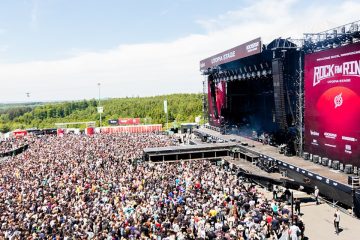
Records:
x=11, y=144
x=81, y=187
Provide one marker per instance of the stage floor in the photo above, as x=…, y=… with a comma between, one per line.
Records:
x=271, y=151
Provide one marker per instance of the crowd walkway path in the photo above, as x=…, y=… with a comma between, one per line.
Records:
x=318, y=220
x=319, y=223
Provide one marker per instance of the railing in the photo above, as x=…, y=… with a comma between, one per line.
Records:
x=15, y=151
x=212, y=128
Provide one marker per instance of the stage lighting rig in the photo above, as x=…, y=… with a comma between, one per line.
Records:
x=332, y=38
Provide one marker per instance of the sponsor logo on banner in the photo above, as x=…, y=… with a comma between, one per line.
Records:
x=349, y=69
x=252, y=47
x=330, y=145
x=315, y=142
x=348, y=148
x=351, y=139
x=314, y=133
x=338, y=100
x=20, y=133
x=330, y=135
x=129, y=121
x=113, y=122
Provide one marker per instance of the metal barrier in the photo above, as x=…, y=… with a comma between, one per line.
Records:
x=15, y=151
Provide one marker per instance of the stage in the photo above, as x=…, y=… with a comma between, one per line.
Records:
x=301, y=94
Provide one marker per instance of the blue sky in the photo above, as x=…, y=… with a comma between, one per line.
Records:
x=50, y=29
x=61, y=49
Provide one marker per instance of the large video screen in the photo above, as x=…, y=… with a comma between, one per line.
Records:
x=216, y=101
x=332, y=104
x=220, y=97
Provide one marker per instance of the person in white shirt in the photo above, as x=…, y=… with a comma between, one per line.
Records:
x=316, y=194
x=294, y=232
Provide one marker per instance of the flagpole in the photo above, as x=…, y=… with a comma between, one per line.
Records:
x=166, y=112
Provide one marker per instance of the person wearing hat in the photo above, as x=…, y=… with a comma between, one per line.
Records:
x=240, y=231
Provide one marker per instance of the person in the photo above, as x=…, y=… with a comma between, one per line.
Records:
x=287, y=194
x=297, y=206
x=294, y=232
x=336, y=220
x=275, y=192
x=316, y=194
x=301, y=226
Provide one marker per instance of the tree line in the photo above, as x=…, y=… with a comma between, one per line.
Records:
x=181, y=108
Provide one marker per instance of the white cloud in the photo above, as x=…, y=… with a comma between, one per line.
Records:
x=158, y=68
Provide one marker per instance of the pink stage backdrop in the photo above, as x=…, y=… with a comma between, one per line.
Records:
x=332, y=103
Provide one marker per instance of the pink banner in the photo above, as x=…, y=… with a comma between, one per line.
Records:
x=332, y=103
x=132, y=129
x=128, y=121
x=20, y=133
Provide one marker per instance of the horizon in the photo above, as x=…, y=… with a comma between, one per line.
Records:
x=102, y=99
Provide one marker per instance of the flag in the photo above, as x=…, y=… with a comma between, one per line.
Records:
x=165, y=106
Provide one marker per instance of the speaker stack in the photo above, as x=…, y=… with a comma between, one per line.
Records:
x=325, y=161
x=336, y=165
x=316, y=158
x=279, y=92
x=341, y=167
x=329, y=163
x=348, y=168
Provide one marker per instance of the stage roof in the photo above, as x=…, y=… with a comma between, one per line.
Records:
x=244, y=50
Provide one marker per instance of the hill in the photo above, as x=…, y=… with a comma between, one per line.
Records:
x=181, y=108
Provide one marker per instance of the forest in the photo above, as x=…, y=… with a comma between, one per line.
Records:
x=181, y=108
